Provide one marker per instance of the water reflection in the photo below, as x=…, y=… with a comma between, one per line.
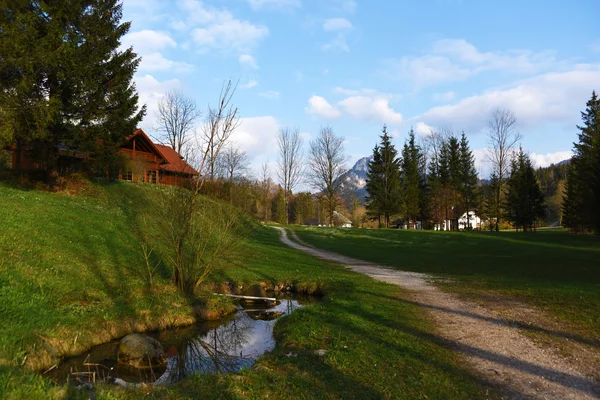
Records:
x=227, y=346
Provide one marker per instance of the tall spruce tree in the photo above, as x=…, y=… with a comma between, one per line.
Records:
x=27, y=53
x=468, y=179
x=581, y=205
x=524, y=199
x=412, y=180
x=383, y=181
x=67, y=72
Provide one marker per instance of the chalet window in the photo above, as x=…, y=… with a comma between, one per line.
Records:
x=127, y=176
x=151, y=176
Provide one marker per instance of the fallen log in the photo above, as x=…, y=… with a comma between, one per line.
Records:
x=255, y=298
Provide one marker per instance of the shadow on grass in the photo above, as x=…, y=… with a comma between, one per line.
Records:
x=581, y=384
x=501, y=322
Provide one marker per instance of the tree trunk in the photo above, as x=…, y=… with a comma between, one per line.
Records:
x=18, y=151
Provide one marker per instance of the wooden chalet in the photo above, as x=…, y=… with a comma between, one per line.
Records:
x=144, y=161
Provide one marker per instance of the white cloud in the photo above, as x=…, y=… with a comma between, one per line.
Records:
x=347, y=6
x=147, y=44
x=248, y=61
x=338, y=43
x=218, y=29
x=556, y=96
x=157, y=62
x=423, y=129
x=317, y=105
x=446, y=96
x=363, y=104
x=337, y=24
x=150, y=91
x=179, y=25
x=269, y=94
x=147, y=41
x=484, y=168
x=375, y=108
x=257, y=136
x=249, y=85
x=452, y=60
x=274, y=4
x=481, y=162
x=544, y=160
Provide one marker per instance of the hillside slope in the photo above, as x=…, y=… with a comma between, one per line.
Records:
x=72, y=273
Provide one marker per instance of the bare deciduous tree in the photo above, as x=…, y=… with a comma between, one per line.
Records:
x=233, y=162
x=289, y=144
x=502, y=140
x=221, y=120
x=326, y=163
x=197, y=237
x=176, y=117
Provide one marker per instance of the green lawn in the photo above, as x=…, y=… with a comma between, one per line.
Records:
x=552, y=269
x=70, y=275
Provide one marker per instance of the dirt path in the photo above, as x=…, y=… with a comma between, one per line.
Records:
x=493, y=346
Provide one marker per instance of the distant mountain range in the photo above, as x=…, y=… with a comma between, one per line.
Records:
x=354, y=181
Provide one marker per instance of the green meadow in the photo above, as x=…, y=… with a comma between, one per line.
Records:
x=71, y=276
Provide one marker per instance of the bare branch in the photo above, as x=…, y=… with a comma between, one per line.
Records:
x=326, y=163
x=176, y=116
x=221, y=122
x=232, y=163
x=502, y=141
x=290, y=168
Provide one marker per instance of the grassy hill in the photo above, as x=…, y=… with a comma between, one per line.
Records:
x=72, y=275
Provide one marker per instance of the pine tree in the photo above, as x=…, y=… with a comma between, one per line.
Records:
x=412, y=179
x=468, y=178
x=581, y=206
x=68, y=73
x=383, y=181
x=434, y=191
x=28, y=51
x=524, y=199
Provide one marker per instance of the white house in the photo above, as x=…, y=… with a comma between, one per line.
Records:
x=470, y=222
x=464, y=222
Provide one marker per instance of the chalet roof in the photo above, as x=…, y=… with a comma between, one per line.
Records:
x=175, y=162
x=153, y=146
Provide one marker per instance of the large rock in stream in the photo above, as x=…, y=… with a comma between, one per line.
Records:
x=141, y=351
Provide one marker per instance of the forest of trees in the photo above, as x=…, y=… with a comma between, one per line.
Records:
x=433, y=184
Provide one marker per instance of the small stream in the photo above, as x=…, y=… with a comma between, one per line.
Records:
x=223, y=346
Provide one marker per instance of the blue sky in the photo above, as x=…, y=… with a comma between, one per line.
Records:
x=355, y=65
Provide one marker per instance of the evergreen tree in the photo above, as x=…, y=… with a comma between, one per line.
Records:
x=581, y=206
x=303, y=208
x=27, y=52
x=76, y=79
x=489, y=207
x=434, y=191
x=524, y=199
x=279, y=207
x=468, y=178
x=412, y=179
x=383, y=181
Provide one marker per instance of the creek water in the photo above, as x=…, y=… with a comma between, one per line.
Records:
x=223, y=346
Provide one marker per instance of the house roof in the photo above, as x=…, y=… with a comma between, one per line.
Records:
x=153, y=146
x=175, y=162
